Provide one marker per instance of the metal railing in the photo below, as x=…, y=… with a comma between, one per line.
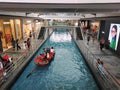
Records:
x=107, y=81
x=12, y=67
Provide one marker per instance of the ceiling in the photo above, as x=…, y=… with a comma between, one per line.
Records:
x=60, y=10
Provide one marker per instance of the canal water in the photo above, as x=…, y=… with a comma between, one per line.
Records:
x=67, y=71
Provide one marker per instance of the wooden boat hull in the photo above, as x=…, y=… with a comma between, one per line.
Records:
x=40, y=61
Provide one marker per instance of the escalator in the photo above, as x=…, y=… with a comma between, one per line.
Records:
x=42, y=33
x=79, y=34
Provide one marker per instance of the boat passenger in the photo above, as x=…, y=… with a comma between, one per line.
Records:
x=44, y=50
x=41, y=56
x=45, y=57
x=52, y=49
x=48, y=55
x=48, y=50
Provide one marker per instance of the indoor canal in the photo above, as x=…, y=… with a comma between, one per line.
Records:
x=67, y=71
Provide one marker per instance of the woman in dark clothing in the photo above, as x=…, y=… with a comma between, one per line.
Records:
x=107, y=44
x=17, y=44
x=88, y=39
x=28, y=43
x=102, y=43
x=13, y=42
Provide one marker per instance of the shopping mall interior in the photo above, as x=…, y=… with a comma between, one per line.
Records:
x=76, y=29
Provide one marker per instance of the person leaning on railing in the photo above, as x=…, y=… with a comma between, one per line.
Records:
x=101, y=67
x=1, y=67
x=6, y=63
x=2, y=70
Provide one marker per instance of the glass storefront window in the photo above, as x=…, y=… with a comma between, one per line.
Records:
x=9, y=28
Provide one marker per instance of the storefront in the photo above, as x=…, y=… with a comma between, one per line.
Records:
x=27, y=28
x=33, y=26
x=95, y=27
x=9, y=28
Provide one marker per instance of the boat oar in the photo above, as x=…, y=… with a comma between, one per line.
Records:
x=31, y=72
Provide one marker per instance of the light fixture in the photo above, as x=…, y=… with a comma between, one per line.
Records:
x=6, y=22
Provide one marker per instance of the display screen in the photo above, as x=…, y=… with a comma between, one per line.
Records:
x=114, y=33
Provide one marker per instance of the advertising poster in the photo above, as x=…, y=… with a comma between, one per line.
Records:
x=114, y=33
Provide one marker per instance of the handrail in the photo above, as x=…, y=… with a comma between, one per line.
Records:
x=110, y=75
x=105, y=68
x=17, y=63
x=116, y=81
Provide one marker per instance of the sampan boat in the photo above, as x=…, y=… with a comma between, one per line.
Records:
x=42, y=61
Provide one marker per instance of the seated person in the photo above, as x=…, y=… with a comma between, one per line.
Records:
x=48, y=50
x=44, y=50
x=48, y=55
x=41, y=56
x=52, y=49
x=45, y=57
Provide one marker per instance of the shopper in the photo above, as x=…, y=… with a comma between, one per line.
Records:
x=17, y=44
x=28, y=43
x=102, y=42
x=13, y=42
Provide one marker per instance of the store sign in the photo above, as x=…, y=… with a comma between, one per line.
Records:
x=6, y=23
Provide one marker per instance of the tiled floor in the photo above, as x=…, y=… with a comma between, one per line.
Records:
x=111, y=61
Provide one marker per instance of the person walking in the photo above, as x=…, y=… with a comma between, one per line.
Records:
x=33, y=33
x=102, y=42
x=17, y=44
x=107, y=44
x=28, y=43
x=13, y=42
x=25, y=47
x=88, y=39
